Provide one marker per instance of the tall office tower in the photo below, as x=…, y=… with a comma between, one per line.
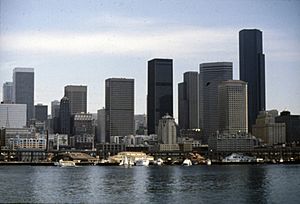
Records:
x=65, y=116
x=211, y=76
x=41, y=112
x=23, y=80
x=188, y=92
x=160, y=92
x=78, y=98
x=292, y=123
x=7, y=92
x=55, y=105
x=232, y=99
x=119, y=107
x=252, y=71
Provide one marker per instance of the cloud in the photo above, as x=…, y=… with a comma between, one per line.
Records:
x=168, y=40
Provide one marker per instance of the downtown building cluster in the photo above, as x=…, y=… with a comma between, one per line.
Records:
x=214, y=111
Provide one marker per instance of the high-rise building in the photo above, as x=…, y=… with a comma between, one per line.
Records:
x=65, y=116
x=100, y=126
x=55, y=108
x=188, y=106
x=119, y=107
x=292, y=126
x=78, y=98
x=160, y=92
x=252, y=71
x=23, y=81
x=167, y=130
x=211, y=76
x=266, y=129
x=41, y=112
x=7, y=92
x=12, y=115
x=82, y=123
x=232, y=100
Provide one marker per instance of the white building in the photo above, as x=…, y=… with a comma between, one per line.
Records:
x=13, y=115
x=233, y=106
x=267, y=130
x=167, y=130
x=27, y=143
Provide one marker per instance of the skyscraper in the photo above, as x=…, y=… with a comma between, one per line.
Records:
x=252, y=71
x=188, y=92
x=41, y=112
x=211, y=76
x=8, y=92
x=23, y=81
x=65, y=116
x=160, y=92
x=232, y=99
x=55, y=108
x=78, y=98
x=119, y=107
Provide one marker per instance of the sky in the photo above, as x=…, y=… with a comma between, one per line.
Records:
x=85, y=42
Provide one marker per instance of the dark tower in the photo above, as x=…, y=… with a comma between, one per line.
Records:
x=160, y=92
x=65, y=116
x=252, y=71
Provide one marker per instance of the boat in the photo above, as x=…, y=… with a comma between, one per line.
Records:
x=126, y=162
x=238, y=158
x=187, y=162
x=208, y=162
x=142, y=162
x=158, y=162
x=62, y=163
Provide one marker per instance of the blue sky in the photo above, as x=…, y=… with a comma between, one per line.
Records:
x=86, y=42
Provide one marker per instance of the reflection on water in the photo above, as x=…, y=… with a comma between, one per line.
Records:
x=168, y=184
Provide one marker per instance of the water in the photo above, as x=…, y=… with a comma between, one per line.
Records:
x=168, y=184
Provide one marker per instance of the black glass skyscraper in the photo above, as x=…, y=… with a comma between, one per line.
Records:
x=160, y=91
x=252, y=71
x=65, y=116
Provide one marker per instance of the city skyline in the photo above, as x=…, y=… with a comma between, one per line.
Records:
x=119, y=40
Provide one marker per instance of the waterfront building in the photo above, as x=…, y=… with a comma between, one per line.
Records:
x=119, y=107
x=64, y=116
x=82, y=123
x=233, y=110
x=238, y=142
x=11, y=133
x=211, y=76
x=100, y=126
x=57, y=141
x=83, y=141
x=18, y=143
x=78, y=98
x=292, y=123
x=266, y=129
x=23, y=82
x=41, y=112
x=252, y=71
x=7, y=96
x=167, y=130
x=160, y=92
x=188, y=105
x=13, y=115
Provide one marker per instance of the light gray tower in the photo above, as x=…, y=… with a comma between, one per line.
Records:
x=23, y=82
x=188, y=92
x=119, y=107
x=233, y=106
x=211, y=76
x=8, y=92
x=78, y=98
